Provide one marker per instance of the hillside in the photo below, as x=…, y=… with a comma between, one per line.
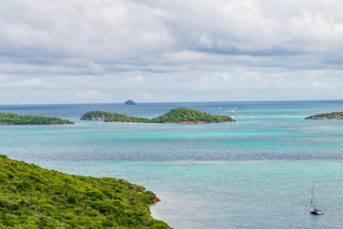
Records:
x=188, y=115
x=19, y=119
x=111, y=117
x=178, y=115
x=32, y=197
x=332, y=115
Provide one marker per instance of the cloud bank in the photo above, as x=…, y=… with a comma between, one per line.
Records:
x=152, y=51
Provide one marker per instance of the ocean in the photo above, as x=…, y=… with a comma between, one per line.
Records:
x=255, y=173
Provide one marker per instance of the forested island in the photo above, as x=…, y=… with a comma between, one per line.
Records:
x=19, y=119
x=109, y=116
x=178, y=115
x=332, y=115
x=33, y=197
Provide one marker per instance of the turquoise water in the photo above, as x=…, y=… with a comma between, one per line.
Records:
x=255, y=173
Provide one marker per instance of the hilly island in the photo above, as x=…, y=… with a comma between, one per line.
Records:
x=19, y=119
x=33, y=197
x=177, y=115
x=332, y=115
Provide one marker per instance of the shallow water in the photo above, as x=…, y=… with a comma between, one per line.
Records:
x=255, y=173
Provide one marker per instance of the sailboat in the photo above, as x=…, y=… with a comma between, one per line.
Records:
x=314, y=210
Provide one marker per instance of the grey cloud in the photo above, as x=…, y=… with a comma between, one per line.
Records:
x=237, y=84
x=111, y=50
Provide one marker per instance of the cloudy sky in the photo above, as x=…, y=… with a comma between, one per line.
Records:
x=85, y=51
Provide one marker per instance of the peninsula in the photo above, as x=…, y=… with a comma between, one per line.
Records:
x=179, y=115
x=32, y=197
x=332, y=115
x=19, y=119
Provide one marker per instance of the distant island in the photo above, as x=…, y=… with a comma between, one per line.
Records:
x=332, y=115
x=111, y=117
x=181, y=115
x=32, y=197
x=129, y=102
x=19, y=119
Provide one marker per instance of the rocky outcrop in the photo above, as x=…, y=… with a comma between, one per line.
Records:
x=129, y=102
x=155, y=200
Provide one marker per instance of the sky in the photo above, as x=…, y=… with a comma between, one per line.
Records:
x=87, y=51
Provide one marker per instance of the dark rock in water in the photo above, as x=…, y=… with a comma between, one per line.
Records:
x=155, y=200
x=130, y=102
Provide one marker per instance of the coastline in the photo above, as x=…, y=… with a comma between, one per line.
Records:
x=155, y=208
x=175, y=162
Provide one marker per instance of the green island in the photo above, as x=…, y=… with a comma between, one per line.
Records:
x=177, y=115
x=33, y=197
x=109, y=116
x=19, y=119
x=332, y=115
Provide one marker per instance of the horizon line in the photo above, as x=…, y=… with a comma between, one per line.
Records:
x=137, y=103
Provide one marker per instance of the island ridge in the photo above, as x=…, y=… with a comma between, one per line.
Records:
x=177, y=115
x=19, y=119
x=332, y=115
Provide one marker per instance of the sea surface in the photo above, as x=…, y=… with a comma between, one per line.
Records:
x=255, y=173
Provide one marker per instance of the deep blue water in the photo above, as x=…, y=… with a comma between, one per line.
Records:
x=255, y=173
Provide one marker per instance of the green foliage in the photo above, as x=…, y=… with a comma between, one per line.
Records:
x=178, y=115
x=19, y=119
x=111, y=117
x=32, y=197
x=332, y=115
x=188, y=115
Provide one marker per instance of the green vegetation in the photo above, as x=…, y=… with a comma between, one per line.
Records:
x=188, y=115
x=32, y=197
x=332, y=115
x=19, y=119
x=178, y=115
x=111, y=117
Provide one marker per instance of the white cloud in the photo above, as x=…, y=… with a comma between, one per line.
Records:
x=110, y=50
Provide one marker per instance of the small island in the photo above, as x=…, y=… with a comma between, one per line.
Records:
x=332, y=115
x=19, y=119
x=32, y=197
x=111, y=117
x=129, y=102
x=181, y=115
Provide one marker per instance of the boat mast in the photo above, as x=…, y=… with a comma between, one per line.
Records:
x=312, y=197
